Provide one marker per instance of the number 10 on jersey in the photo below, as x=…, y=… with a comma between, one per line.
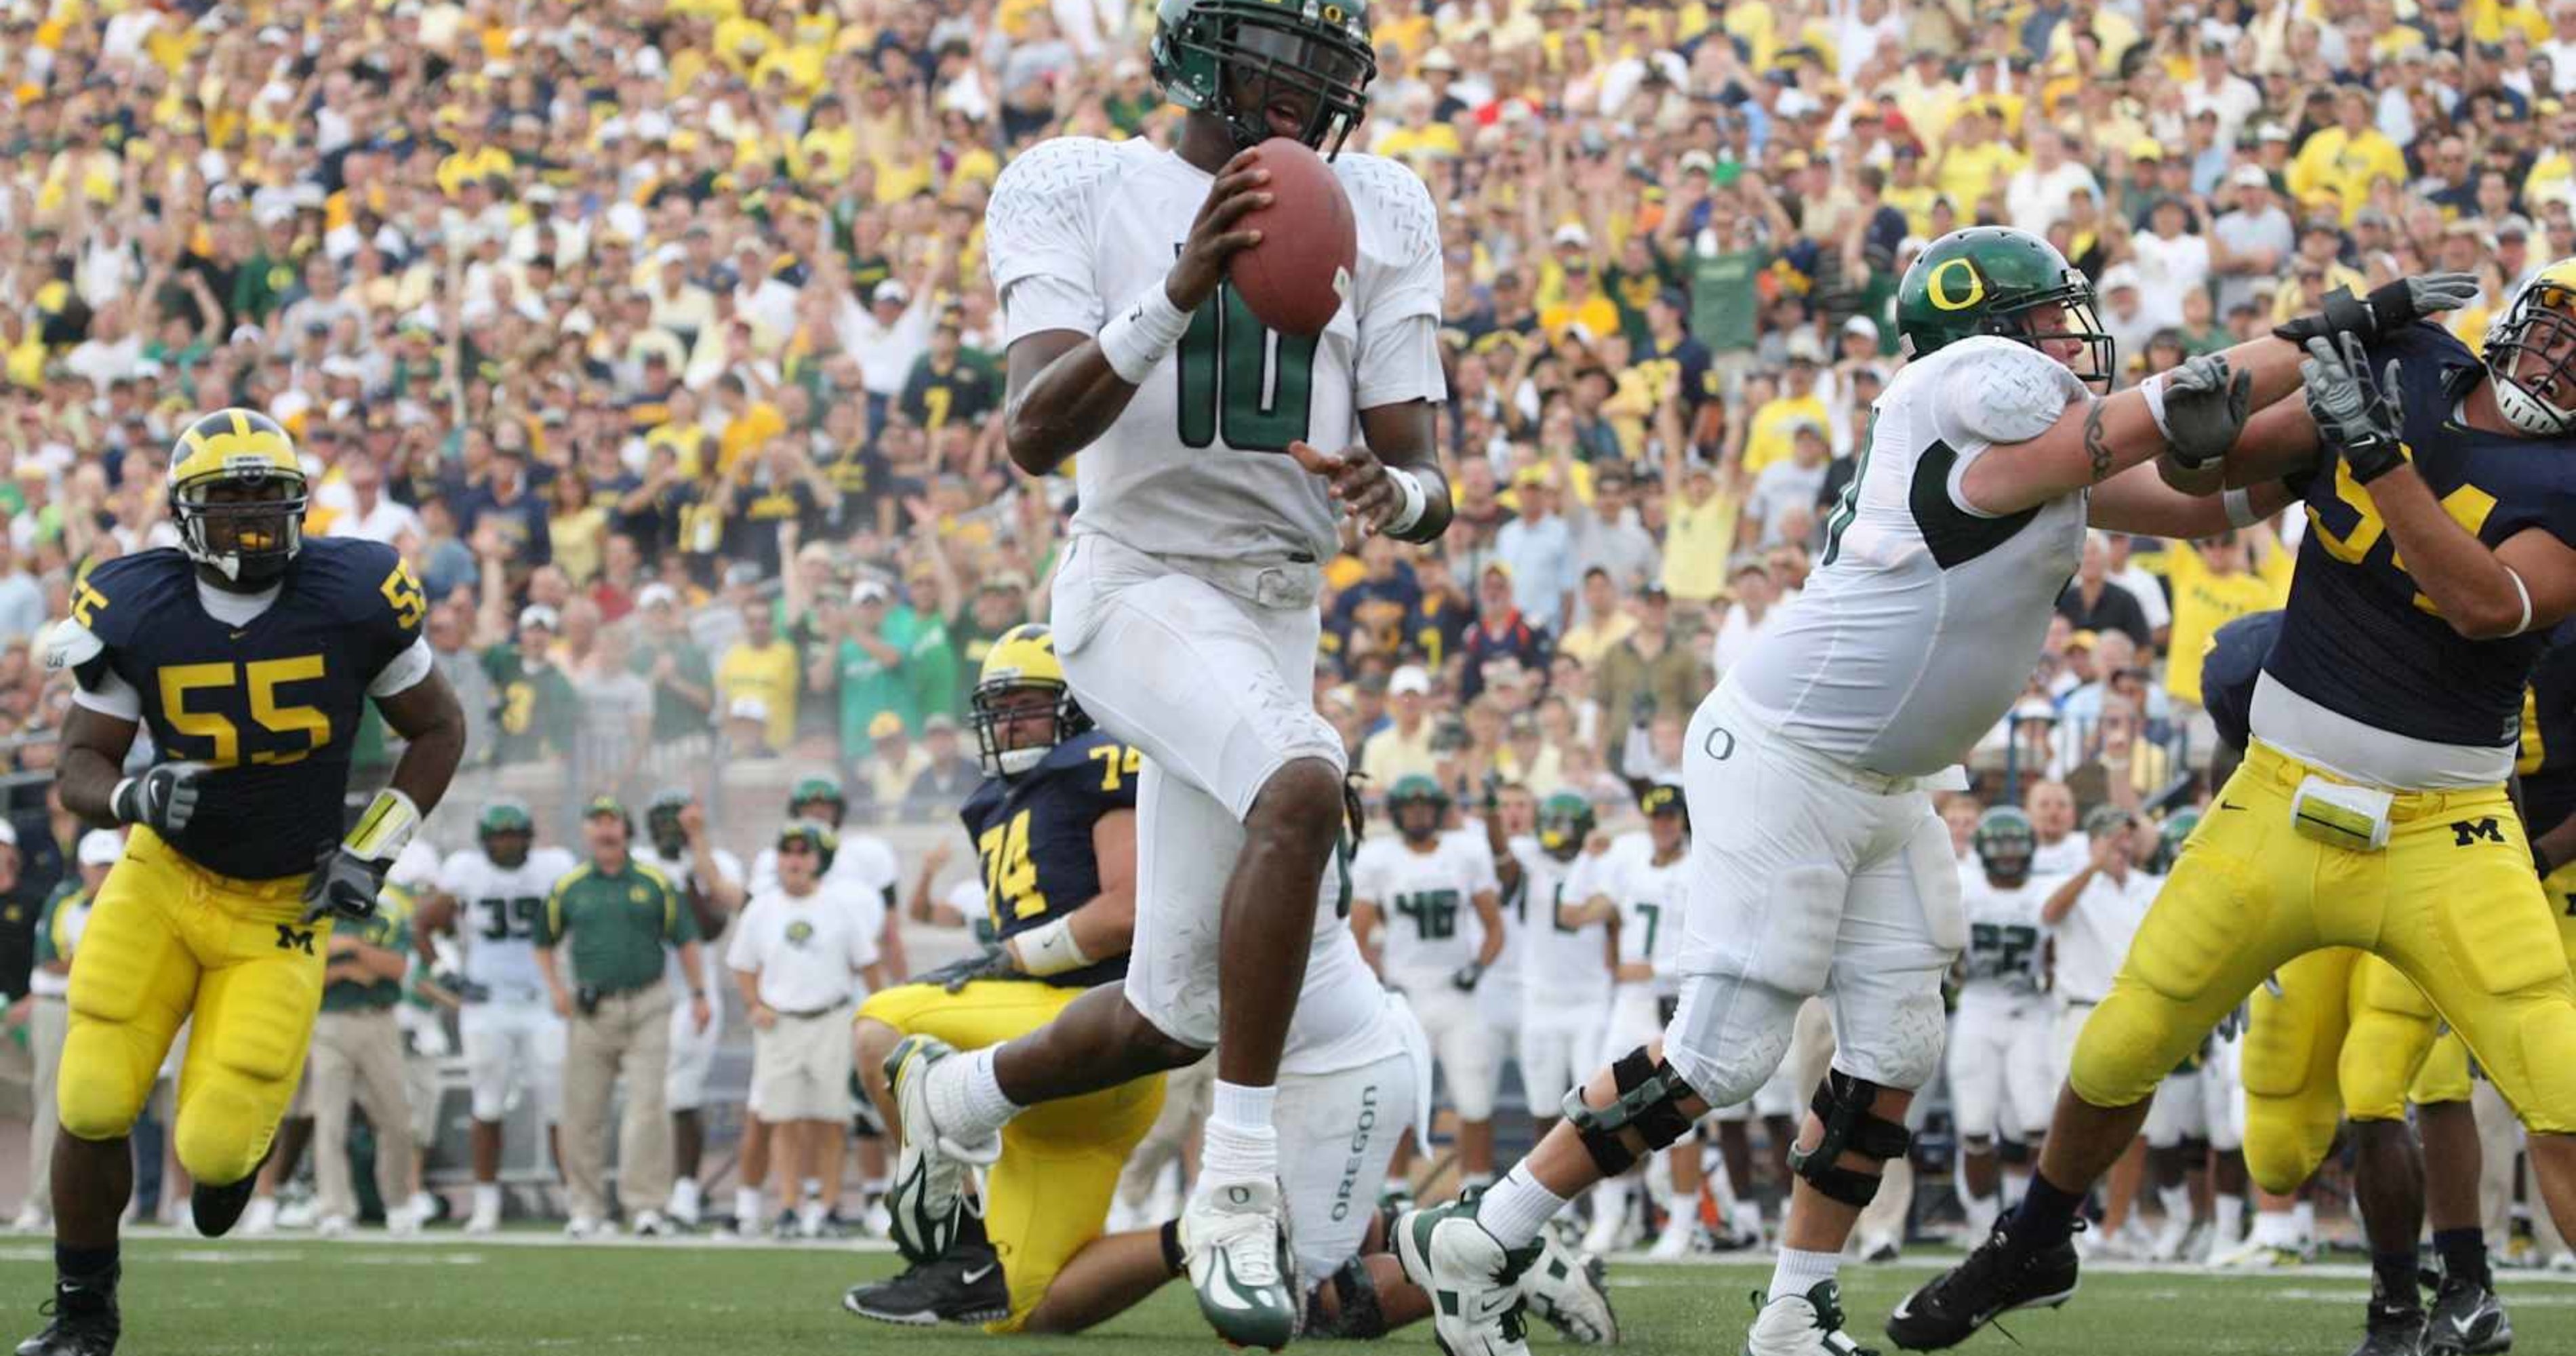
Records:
x=1242, y=380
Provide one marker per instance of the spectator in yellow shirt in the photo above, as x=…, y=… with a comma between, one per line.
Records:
x=761, y=667
x=1773, y=431
x=2347, y=158
x=1700, y=518
x=1581, y=303
x=2212, y=586
x=1975, y=159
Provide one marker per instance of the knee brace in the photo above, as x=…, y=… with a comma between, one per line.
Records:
x=1359, y=1316
x=2014, y=1153
x=1843, y=1104
x=1649, y=1102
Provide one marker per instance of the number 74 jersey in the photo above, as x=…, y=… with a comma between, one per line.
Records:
x=1033, y=832
x=1077, y=229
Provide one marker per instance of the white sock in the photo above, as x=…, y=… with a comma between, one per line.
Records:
x=1240, y=1142
x=2273, y=1229
x=1797, y=1272
x=1517, y=1207
x=810, y=1214
x=746, y=1206
x=966, y=1099
x=1610, y=1202
x=2177, y=1203
x=813, y=1188
x=2016, y=1183
x=487, y=1198
x=2303, y=1223
x=2231, y=1218
x=1472, y=1180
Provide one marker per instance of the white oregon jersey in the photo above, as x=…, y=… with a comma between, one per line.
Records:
x=1924, y=616
x=1078, y=228
x=2004, y=934
x=1650, y=900
x=499, y=912
x=679, y=869
x=1507, y=962
x=1559, y=966
x=1425, y=905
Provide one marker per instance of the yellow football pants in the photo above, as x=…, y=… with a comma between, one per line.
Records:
x=1050, y=1192
x=2451, y=902
x=171, y=942
x=2346, y=1038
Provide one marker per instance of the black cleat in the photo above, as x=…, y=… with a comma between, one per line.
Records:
x=217, y=1209
x=2394, y=1330
x=966, y=1286
x=2467, y=1320
x=1995, y=1280
x=85, y=1321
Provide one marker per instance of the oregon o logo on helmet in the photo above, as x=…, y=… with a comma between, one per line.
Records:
x=1936, y=285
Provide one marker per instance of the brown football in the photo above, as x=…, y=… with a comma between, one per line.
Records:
x=1301, y=271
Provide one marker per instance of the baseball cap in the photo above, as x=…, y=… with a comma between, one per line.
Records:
x=1572, y=234
x=890, y=290
x=869, y=591
x=606, y=805
x=1861, y=325
x=538, y=614
x=885, y=725
x=2250, y=176
x=2118, y=276
x=1409, y=678
x=98, y=847
x=655, y=595
x=940, y=722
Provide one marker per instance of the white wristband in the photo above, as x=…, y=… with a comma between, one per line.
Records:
x=1414, y=500
x=2240, y=507
x=1138, y=338
x=1049, y=949
x=2152, y=390
x=2523, y=592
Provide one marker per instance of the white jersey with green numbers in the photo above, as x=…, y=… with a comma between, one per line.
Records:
x=1078, y=228
x=1650, y=897
x=1425, y=903
x=1924, y=615
x=2004, y=936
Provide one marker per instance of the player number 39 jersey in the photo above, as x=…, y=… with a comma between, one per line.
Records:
x=1078, y=228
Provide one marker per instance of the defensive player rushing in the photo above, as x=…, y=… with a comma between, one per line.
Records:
x=2370, y=809
x=491, y=898
x=1821, y=868
x=250, y=653
x=1185, y=605
x=710, y=880
x=1421, y=889
x=1999, y=1067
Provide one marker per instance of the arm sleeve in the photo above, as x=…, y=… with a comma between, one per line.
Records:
x=404, y=671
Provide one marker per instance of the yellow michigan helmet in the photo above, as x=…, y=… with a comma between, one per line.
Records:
x=237, y=494
x=2530, y=353
x=1022, y=660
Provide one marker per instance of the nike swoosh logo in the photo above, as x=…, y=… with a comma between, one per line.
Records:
x=979, y=1273
x=1221, y=1287
x=1904, y=1309
x=2229, y=805
x=2463, y=1325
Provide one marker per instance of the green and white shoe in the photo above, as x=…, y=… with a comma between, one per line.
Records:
x=1802, y=1325
x=1473, y=1280
x=1238, y=1260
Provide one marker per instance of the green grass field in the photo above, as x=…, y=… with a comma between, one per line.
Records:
x=443, y=1297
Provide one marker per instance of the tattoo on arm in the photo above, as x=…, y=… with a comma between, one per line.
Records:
x=2095, y=447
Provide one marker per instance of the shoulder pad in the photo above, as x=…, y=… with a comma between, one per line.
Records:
x=1042, y=205
x=2002, y=391
x=1076, y=754
x=113, y=598
x=1397, y=221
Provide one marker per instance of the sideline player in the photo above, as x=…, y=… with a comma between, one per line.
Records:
x=1185, y=605
x=1565, y=968
x=2370, y=810
x=491, y=898
x=1999, y=1064
x=251, y=654
x=710, y=879
x=1821, y=867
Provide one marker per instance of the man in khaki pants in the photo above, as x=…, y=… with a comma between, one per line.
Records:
x=358, y=1060
x=618, y=915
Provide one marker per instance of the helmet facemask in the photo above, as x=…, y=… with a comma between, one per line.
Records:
x=2081, y=324
x=1000, y=712
x=246, y=522
x=1238, y=59
x=2536, y=398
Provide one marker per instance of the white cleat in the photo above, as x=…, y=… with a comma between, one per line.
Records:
x=1570, y=1293
x=259, y=1218
x=1473, y=1281
x=686, y=1199
x=1880, y=1248
x=298, y=1214
x=2170, y=1239
x=1802, y=1325
x=2562, y=1260
x=650, y=1224
x=1674, y=1243
x=2255, y=1255
x=1238, y=1260
x=583, y=1226
x=332, y=1226
x=32, y=1220
x=930, y=1174
x=484, y=1221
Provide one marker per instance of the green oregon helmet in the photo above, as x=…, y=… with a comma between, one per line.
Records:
x=816, y=834
x=1411, y=790
x=2169, y=839
x=1995, y=280
x=662, y=820
x=1565, y=823
x=1311, y=60
x=504, y=819
x=820, y=787
x=2004, y=842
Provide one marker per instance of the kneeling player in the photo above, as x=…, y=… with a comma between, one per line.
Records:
x=251, y=654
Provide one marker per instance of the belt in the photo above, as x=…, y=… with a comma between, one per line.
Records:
x=810, y=1014
x=2283, y=770
x=2084, y=1002
x=654, y=982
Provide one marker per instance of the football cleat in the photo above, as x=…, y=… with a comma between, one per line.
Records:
x=1473, y=1280
x=966, y=1286
x=333, y=1226
x=84, y=1320
x=2467, y=1320
x=650, y=1224
x=217, y=1209
x=1881, y=1248
x=1801, y=1325
x=260, y=1219
x=930, y=1174
x=1570, y=1293
x=1996, y=1279
x=2256, y=1255
x=2393, y=1330
x=1237, y=1248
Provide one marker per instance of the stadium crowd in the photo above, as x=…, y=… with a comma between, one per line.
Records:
x=656, y=337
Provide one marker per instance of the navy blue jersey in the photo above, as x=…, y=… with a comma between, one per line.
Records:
x=2547, y=761
x=2360, y=639
x=274, y=706
x=1034, y=834
x=2228, y=670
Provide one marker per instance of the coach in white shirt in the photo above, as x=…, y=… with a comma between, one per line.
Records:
x=2091, y=919
x=795, y=952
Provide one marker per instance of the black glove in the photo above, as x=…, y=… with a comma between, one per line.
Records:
x=1465, y=980
x=2388, y=309
x=344, y=884
x=2205, y=409
x=992, y=963
x=163, y=799
x=2358, y=419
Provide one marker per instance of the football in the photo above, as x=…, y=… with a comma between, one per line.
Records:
x=1300, y=273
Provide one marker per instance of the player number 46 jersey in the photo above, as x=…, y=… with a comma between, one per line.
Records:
x=1426, y=901
x=1925, y=614
x=1078, y=228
